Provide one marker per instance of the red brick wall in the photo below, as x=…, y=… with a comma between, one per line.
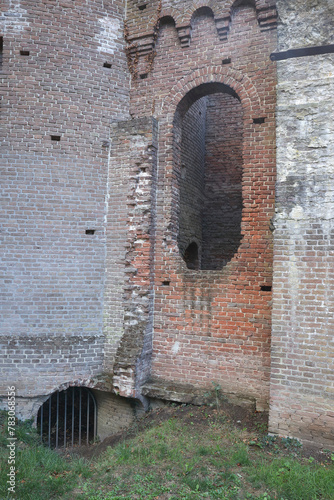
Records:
x=211, y=325
x=223, y=176
x=191, y=181
x=210, y=179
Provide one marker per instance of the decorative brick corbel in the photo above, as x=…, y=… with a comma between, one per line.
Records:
x=142, y=45
x=267, y=18
x=140, y=52
x=223, y=26
x=184, y=33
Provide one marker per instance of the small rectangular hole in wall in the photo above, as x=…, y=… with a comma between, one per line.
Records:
x=143, y=76
x=166, y=283
x=142, y=6
x=226, y=61
x=107, y=65
x=24, y=52
x=90, y=231
x=258, y=120
x=265, y=288
x=55, y=138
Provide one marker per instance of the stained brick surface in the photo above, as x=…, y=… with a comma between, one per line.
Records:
x=213, y=325
x=125, y=129
x=53, y=191
x=223, y=181
x=302, y=378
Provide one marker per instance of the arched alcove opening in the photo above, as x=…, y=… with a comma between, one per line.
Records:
x=202, y=12
x=244, y=3
x=208, y=139
x=191, y=256
x=166, y=21
x=68, y=418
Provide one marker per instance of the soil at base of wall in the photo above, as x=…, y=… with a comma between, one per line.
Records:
x=200, y=416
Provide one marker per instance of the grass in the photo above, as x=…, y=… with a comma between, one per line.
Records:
x=40, y=472
x=198, y=454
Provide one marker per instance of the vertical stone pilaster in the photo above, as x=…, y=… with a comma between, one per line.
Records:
x=135, y=153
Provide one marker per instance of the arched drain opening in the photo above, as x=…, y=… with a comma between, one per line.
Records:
x=68, y=418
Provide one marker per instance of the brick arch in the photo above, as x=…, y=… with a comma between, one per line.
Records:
x=170, y=13
x=238, y=82
x=204, y=4
x=187, y=16
x=219, y=13
x=240, y=86
x=211, y=8
x=87, y=383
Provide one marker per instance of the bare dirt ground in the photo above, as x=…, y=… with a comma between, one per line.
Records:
x=240, y=416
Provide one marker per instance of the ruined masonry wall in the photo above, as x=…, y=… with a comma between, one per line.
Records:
x=135, y=149
x=302, y=378
x=209, y=325
x=54, y=83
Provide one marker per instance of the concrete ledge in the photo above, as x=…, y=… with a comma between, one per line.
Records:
x=190, y=394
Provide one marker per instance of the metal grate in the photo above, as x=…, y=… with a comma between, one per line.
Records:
x=68, y=418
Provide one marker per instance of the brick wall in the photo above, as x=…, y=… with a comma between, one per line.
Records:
x=55, y=83
x=302, y=380
x=223, y=176
x=210, y=179
x=114, y=413
x=191, y=180
x=209, y=325
x=104, y=189
x=135, y=143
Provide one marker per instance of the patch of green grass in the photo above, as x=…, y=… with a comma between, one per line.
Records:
x=294, y=480
x=40, y=472
x=209, y=460
x=203, y=451
x=240, y=455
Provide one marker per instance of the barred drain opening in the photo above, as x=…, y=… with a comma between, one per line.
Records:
x=68, y=418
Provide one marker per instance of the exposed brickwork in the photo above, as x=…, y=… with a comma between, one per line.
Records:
x=56, y=190
x=214, y=325
x=114, y=413
x=132, y=133
x=210, y=179
x=28, y=360
x=302, y=380
x=136, y=144
x=191, y=181
x=223, y=181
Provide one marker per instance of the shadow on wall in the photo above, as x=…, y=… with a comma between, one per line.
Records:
x=208, y=147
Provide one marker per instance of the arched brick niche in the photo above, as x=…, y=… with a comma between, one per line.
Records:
x=212, y=321
x=209, y=169
x=211, y=154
